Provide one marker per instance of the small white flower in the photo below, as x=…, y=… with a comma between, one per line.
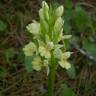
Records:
x=29, y=49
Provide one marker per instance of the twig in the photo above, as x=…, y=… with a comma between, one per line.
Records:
x=10, y=87
x=87, y=4
x=86, y=54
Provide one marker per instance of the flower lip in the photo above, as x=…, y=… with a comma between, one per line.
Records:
x=29, y=49
x=37, y=63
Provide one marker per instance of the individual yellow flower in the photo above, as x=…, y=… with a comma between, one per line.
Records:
x=34, y=28
x=66, y=55
x=60, y=37
x=63, y=62
x=37, y=63
x=29, y=49
x=44, y=51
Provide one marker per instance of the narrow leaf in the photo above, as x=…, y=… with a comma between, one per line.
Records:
x=66, y=91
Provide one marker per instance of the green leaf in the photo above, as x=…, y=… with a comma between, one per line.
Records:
x=28, y=63
x=90, y=47
x=81, y=20
x=67, y=27
x=2, y=26
x=71, y=72
x=67, y=20
x=66, y=91
x=21, y=55
x=3, y=72
x=9, y=53
x=68, y=4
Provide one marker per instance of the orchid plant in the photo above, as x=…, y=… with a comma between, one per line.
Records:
x=47, y=47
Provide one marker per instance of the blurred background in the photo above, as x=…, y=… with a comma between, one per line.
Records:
x=80, y=21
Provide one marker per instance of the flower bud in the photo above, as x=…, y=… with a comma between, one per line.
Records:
x=59, y=11
x=45, y=5
x=58, y=24
x=42, y=18
x=45, y=8
x=41, y=13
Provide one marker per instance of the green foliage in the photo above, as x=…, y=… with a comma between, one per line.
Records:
x=71, y=72
x=3, y=72
x=2, y=25
x=9, y=53
x=28, y=63
x=66, y=91
x=90, y=47
x=76, y=18
x=67, y=15
x=68, y=4
x=81, y=19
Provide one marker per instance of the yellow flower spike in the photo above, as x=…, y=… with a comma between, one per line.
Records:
x=59, y=11
x=34, y=28
x=44, y=52
x=29, y=49
x=37, y=63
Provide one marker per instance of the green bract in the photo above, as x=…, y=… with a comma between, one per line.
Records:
x=48, y=33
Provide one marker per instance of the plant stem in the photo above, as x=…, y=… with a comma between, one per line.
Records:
x=51, y=78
